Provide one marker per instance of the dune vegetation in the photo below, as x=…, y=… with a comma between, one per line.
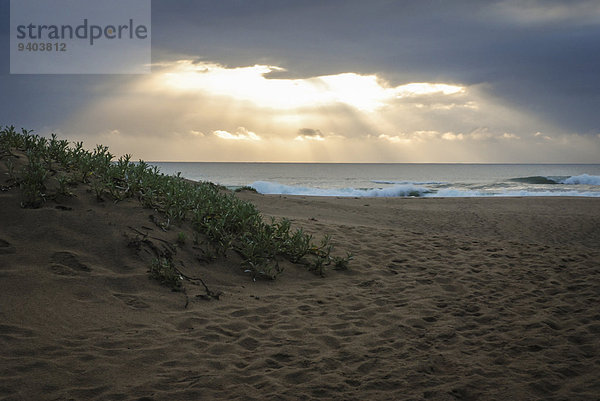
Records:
x=222, y=223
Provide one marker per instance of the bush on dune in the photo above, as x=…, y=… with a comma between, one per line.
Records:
x=227, y=222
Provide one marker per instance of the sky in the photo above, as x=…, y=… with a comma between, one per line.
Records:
x=429, y=81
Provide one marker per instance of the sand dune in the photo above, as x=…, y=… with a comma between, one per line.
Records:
x=466, y=299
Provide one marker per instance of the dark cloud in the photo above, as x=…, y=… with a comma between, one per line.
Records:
x=546, y=67
x=309, y=132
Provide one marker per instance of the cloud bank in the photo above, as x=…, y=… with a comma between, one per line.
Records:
x=382, y=80
x=201, y=111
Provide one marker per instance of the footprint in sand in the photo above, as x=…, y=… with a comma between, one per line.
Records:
x=66, y=264
x=132, y=301
x=6, y=247
x=9, y=332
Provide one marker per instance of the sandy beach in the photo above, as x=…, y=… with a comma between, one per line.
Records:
x=445, y=299
x=273, y=200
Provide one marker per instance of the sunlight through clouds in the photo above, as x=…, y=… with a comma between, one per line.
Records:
x=309, y=138
x=241, y=134
x=363, y=92
x=208, y=112
x=395, y=139
x=451, y=136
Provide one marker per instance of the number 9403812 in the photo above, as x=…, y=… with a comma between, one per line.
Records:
x=42, y=47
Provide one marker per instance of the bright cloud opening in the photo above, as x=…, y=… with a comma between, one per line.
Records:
x=317, y=138
x=362, y=92
x=451, y=136
x=190, y=111
x=241, y=134
x=395, y=139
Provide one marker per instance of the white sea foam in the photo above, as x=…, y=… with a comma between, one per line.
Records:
x=266, y=187
x=456, y=193
x=407, y=182
x=584, y=179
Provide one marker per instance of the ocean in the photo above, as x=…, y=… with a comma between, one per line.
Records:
x=398, y=180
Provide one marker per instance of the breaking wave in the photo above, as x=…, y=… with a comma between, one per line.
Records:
x=408, y=190
x=265, y=187
x=583, y=179
x=407, y=182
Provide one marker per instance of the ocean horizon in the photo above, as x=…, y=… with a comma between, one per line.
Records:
x=396, y=179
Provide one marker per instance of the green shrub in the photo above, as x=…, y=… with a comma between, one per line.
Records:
x=164, y=272
x=32, y=181
x=227, y=223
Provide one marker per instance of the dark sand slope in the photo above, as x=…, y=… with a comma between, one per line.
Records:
x=467, y=299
